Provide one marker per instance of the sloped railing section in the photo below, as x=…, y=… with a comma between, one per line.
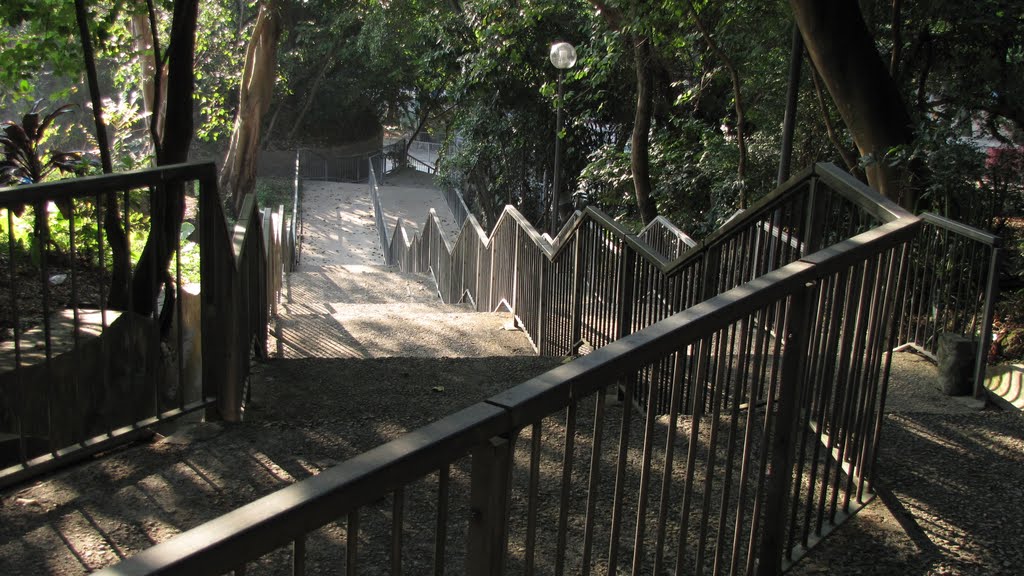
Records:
x=774, y=370
x=80, y=375
x=595, y=282
x=951, y=286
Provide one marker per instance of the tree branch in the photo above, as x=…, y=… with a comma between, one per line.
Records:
x=848, y=157
x=741, y=168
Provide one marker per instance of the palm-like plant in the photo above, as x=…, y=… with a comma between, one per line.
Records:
x=23, y=162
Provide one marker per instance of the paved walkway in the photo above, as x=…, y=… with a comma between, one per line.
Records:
x=338, y=222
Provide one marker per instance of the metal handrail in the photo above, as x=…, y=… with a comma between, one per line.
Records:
x=234, y=324
x=378, y=215
x=595, y=282
x=952, y=283
x=288, y=515
x=666, y=238
x=431, y=169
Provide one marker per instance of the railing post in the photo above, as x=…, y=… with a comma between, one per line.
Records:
x=219, y=309
x=515, y=272
x=814, y=225
x=542, y=304
x=798, y=326
x=991, y=294
x=626, y=282
x=489, y=506
x=577, y=292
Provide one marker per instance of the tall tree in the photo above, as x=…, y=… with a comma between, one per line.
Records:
x=868, y=100
x=168, y=212
x=112, y=227
x=238, y=175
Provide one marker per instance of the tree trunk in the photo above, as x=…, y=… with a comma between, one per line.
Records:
x=147, y=46
x=868, y=100
x=116, y=237
x=737, y=94
x=169, y=208
x=424, y=115
x=238, y=175
x=639, y=160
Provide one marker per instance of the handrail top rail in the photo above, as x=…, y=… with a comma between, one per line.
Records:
x=851, y=188
x=660, y=220
x=88, y=185
x=971, y=232
x=315, y=501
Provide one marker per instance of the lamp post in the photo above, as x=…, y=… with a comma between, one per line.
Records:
x=563, y=57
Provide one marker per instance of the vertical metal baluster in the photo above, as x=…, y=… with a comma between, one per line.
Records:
x=532, y=498
x=299, y=556
x=42, y=216
x=19, y=383
x=645, y=473
x=441, y=528
x=180, y=332
x=563, y=507
x=780, y=318
x=853, y=386
x=666, y=475
x=717, y=393
x=352, y=544
x=734, y=416
x=594, y=481
x=78, y=426
x=703, y=356
x=104, y=366
x=397, y=522
x=843, y=344
x=620, y=479
x=812, y=386
x=757, y=320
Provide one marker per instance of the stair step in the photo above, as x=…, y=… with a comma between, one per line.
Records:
x=380, y=331
x=358, y=284
x=346, y=390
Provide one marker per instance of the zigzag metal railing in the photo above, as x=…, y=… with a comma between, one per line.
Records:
x=783, y=377
x=595, y=283
x=666, y=238
x=101, y=381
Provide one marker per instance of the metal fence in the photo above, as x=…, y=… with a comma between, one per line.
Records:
x=322, y=165
x=666, y=238
x=424, y=155
x=595, y=283
x=951, y=286
x=81, y=373
x=776, y=391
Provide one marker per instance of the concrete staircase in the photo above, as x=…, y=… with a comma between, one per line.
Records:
x=360, y=355
x=360, y=311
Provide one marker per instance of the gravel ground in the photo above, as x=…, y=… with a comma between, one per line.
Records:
x=950, y=489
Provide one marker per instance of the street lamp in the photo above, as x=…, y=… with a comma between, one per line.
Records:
x=563, y=57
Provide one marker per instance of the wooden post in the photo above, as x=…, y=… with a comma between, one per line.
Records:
x=489, y=506
x=786, y=430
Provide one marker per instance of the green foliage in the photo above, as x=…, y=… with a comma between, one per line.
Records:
x=273, y=192
x=23, y=161
x=36, y=37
